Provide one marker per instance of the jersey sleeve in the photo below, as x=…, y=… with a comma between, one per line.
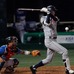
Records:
x=44, y=20
x=18, y=51
x=2, y=49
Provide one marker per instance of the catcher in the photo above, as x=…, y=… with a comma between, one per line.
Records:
x=10, y=49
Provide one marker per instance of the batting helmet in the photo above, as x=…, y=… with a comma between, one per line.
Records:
x=51, y=8
x=11, y=38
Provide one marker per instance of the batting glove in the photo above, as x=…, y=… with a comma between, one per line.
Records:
x=44, y=9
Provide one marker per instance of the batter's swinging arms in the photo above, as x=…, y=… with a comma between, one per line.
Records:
x=49, y=23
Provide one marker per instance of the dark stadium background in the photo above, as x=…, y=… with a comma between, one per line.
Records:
x=65, y=7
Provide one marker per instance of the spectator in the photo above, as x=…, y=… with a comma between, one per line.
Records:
x=20, y=26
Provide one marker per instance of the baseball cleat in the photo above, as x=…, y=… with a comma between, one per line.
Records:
x=33, y=70
x=69, y=72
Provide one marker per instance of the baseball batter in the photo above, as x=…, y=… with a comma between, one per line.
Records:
x=49, y=24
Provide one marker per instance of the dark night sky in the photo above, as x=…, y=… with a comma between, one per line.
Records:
x=65, y=7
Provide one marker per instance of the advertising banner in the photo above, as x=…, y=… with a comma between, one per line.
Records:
x=65, y=39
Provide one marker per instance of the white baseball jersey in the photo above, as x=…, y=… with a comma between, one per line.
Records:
x=50, y=30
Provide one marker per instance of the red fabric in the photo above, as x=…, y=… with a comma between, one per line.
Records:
x=9, y=53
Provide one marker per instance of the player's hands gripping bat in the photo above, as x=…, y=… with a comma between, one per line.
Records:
x=44, y=9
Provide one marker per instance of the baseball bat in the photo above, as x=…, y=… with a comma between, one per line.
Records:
x=28, y=9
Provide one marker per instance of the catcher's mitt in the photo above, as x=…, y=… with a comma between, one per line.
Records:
x=35, y=53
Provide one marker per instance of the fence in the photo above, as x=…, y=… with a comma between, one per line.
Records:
x=36, y=39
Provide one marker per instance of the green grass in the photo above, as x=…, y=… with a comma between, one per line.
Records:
x=26, y=61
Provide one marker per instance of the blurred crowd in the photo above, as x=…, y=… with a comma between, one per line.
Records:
x=21, y=26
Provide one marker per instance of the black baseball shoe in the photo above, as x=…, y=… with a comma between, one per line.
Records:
x=33, y=70
x=69, y=71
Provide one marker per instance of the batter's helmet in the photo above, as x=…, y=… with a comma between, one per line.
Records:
x=51, y=8
x=11, y=38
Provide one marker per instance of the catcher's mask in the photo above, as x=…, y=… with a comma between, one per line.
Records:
x=51, y=8
x=11, y=39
